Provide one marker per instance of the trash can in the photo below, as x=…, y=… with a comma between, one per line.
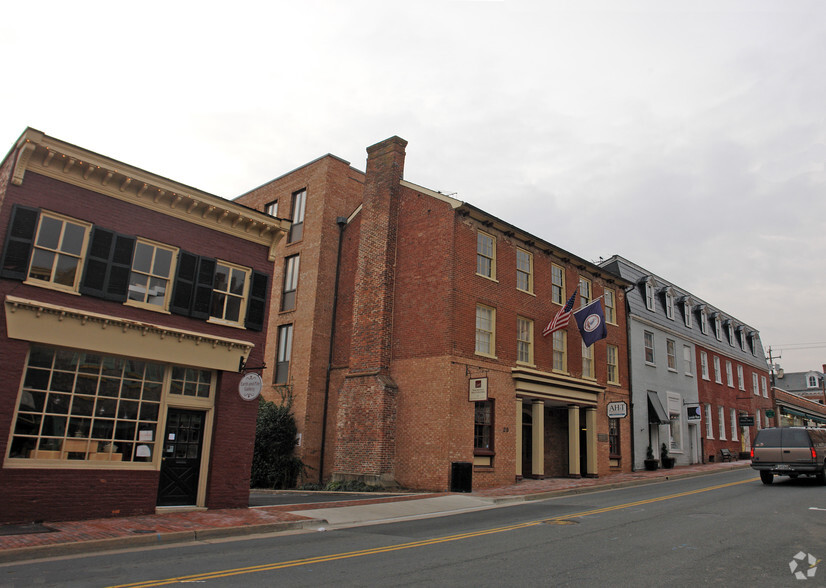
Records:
x=461, y=476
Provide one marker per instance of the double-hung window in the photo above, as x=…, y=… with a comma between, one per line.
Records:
x=297, y=226
x=612, y=355
x=610, y=306
x=485, y=255
x=524, y=340
x=741, y=383
x=755, y=386
x=709, y=423
x=584, y=290
x=669, y=304
x=58, y=249
x=703, y=321
x=704, y=365
x=587, y=361
x=717, y=374
x=560, y=341
x=291, y=265
x=485, y=330
x=721, y=421
x=229, y=293
x=649, y=295
x=283, y=354
x=733, y=422
x=729, y=375
x=687, y=313
x=671, y=353
x=272, y=208
x=557, y=284
x=153, y=266
x=648, y=341
x=763, y=387
x=687, y=363
x=524, y=270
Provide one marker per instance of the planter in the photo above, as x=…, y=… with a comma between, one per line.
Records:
x=668, y=462
x=651, y=464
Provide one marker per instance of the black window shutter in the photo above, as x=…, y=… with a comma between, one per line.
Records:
x=19, y=241
x=204, y=279
x=184, y=289
x=120, y=268
x=108, y=265
x=257, y=304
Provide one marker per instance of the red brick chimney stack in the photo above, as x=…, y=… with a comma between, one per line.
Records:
x=366, y=423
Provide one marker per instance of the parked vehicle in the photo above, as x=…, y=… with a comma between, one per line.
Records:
x=789, y=451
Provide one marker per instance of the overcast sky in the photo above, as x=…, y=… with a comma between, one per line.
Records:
x=688, y=137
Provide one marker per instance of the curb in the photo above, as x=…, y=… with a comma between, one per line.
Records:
x=21, y=554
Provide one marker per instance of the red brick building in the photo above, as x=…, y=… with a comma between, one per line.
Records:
x=406, y=326
x=129, y=304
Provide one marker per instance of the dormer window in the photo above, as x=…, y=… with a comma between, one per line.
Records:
x=730, y=333
x=687, y=312
x=718, y=327
x=649, y=295
x=703, y=321
x=811, y=381
x=669, y=304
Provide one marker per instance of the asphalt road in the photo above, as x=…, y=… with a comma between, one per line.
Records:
x=726, y=529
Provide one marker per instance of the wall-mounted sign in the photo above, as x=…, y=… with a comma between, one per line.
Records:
x=769, y=413
x=250, y=386
x=693, y=413
x=478, y=389
x=745, y=421
x=617, y=410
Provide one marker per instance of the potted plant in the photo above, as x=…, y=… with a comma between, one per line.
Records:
x=651, y=463
x=667, y=461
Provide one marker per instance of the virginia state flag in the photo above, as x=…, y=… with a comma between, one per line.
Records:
x=591, y=322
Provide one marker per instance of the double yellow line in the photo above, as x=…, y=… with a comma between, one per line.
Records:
x=412, y=544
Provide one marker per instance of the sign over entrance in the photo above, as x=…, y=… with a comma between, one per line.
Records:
x=617, y=410
x=692, y=412
x=478, y=390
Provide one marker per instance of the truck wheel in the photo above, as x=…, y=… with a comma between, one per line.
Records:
x=766, y=477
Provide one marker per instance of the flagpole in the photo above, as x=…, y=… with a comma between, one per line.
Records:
x=592, y=301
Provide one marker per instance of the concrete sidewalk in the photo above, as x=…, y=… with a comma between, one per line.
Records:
x=26, y=542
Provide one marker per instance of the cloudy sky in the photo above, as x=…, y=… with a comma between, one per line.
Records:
x=686, y=136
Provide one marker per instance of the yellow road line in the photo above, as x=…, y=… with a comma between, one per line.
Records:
x=413, y=544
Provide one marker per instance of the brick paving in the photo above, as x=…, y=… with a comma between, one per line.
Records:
x=180, y=526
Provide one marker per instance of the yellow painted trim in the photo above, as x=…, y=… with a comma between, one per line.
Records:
x=68, y=163
x=40, y=322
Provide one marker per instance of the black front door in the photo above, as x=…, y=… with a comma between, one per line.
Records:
x=181, y=460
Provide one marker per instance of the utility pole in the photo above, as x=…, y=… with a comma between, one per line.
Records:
x=772, y=370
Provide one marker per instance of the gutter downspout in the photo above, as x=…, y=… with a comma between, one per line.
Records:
x=630, y=381
x=342, y=223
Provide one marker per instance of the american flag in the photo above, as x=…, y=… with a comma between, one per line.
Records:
x=560, y=321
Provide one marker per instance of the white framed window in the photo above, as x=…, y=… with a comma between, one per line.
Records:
x=718, y=328
x=743, y=340
x=675, y=417
x=687, y=313
x=764, y=387
x=704, y=365
x=729, y=375
x=560, y=340
x=271, y=208
x=612, y=355
x=297, y=226
x=557, y=284
x=57, y=252
x=524, y=340
x=687, y=363
x=755, y=386
x=730, y=333
x=153, y=265
x=649, y=295
x=741, y=381
x=291, y=270
x=610, y=306
x=485, y=255
x=671, y=354
x=669, y=304
x=703, y=321
x=229, y=293
x=524, y=270
x=733, y=420
x=587, y=362
x=709, y=423
x=283, y=354
x=485, y=330
x=648, y=342
x=721, y=416
x=584, y=290
x=717, y=375
x=811, y=381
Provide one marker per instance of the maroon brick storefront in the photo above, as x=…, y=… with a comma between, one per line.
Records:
x=100, y=358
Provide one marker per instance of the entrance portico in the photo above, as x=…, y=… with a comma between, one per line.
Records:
x=573, y=404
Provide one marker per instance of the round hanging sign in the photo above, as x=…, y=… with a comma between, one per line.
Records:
x=250, y=386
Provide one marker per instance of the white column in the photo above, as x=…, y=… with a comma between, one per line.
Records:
x=538, y=439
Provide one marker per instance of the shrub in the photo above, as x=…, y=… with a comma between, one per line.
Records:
x=273, y=463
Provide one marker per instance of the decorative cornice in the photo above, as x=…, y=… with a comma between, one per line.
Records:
x=50, y=157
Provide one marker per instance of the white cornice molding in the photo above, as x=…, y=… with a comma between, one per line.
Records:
x=50, y=157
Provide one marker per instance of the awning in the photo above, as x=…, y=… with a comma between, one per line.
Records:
x=811, y=417
x=656, y=412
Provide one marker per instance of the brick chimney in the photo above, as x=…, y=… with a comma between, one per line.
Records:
x=366, y=420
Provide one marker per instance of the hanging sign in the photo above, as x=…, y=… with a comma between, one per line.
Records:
x=478, y=390
x=692, y=412
x=250, y=386
x=617, y=410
